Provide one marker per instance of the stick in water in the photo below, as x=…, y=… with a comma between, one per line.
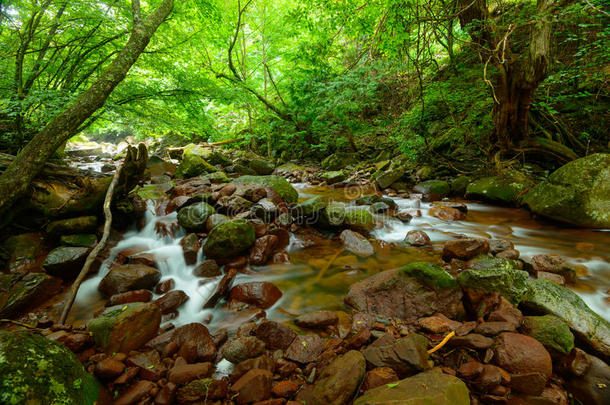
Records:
x=96, y=250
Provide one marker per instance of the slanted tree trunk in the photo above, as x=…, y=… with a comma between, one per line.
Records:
x=15, y=180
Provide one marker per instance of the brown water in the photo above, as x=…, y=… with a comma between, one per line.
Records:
x=321, y=270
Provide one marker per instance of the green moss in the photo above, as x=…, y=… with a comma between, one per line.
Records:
x=277, y=183
x=360, y=219
x=510, y=283
x=311, y=206
x=438, y=187
x=484, y=262
x=37, y=371
x=551, y=331
x=82, y=240
x=430, y=274
x=229, y=238
x=193, y=217
x=505, y=189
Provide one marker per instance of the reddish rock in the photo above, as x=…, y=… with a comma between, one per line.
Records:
x=127, y=278
x=512, y=254
x=165, y=286
x=189, y=372
x=406, y=355
x=359, y=339
x=356, y=243
x=129, y=296
x=285, y=389
x=207, y=268
x=253, y=386
x=204, y=390
x=261, y=294
x=551, y=263
x=190, y=247
x=243, y=348
x=379, y=376
x=135, y=393
x=317, y=319
x=489, y=377
x=147, y=259
x=192, y=331
x=284, y=367
x=438, y=323
x=417, y=238
x=262, y=249
x=171, y=301
x=494, y=328
x=593, y=386
x=499, y=245
x=446, y=213
x=273, y=401
x=149, y=363
x=555, y=278
x=470, y=370
x=166, y=394
x=506, y=312
x=262, y=362
x=108, y=369
x=464, y=249
x=274, y=334
x=520, y=354
x=472, y=340
x=305, y=348
x=77, y=342
x=528, y=383
x=169, y=349
x=280, y=258
x=127, y=376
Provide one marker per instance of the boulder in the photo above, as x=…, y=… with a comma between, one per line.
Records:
x=359, y=219
x=129, y=277
x=317, y=319
x=577, y=193
x=406, y=356
x=275, y=335
x=547, y=297
x=551, y=331
x=277, y=183
x=65, y=261
x=339, y=381
x=338, y=161
x=193, y=164
x=356, y=243
x=387, y=178
x=243, y=348
x=214, y=220
x=372, y=199
x=334, y=214
x=22, y=252
x=216, y=177
x=261, y=166
x=233, y=205
x=433, y=189
x=592, y=387
x=305, y=349
x=417, y=238
x=403, y=294
x=125, y=327
x=333, y=176
x=229, y=239
x=510, y=283
x=261, y=294
x=87, y=240
x=21, y=291
x=310, y=207
x=196, y=333
x=254, y=386
x=193, y=217
x=430, y=387
x=519, y=354
x=36, y=370
x=505, y=189
x=72, y=225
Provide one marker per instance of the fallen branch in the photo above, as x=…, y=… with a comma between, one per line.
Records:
x=442, y=343
x=96, y=250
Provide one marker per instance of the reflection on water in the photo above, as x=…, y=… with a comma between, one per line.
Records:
x=320, y=273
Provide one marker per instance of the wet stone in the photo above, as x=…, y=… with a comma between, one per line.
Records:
x=356, y=243
x=262, y=362
x=129, y=296
x=183, y=374
x=379, y=376
x=171, y=301
x=305, y=349
x=253, y=386
x=260, y=294
x=464, y=249
x=207, y=268
x=317, y=319
x=275, y=335
x=417, y=238
x=243, y=348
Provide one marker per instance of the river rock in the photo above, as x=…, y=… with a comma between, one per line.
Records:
x=243, y=348
x=417, y=290
x=333, y=215
x=262, y=166
x=207, y=268
x=171, y=301
x=464, y=249
x=36, y=370
x=20, y=291
x=193, y=217
x=550, y=298
x=446, y=213
x=233, y=205
x=190, y=248
x=65, y=261
x=129, y=277
x=551, y=331
x=261, y=362
x=263, y=249
x=360, y=220
x=23, y=251
x=214, y=220
x=193, y=164
x=254, y=386
x=185, y=373
x=261, y=294
x=592, y=387
x=430, y=387
x=72, y=225
x=305, y=349
x=125, y=327
x=310, y=207
x=517, y=353
x=229, y=239
x=87, y=240
x=373, y=199
x=389, y=177
x=205, y=389
x=510, y=283
x=406, y=356
x=505, y=189
x=194, y=332
x=135, y=393
x=433, y=189
x=379, y=376
x=317, y=319
x=274, y=334
x=417, y=238
x=356, y=243
x=277, y=183
x=339, y=381
x=129, y=296
x=333, y=177
x=577, y=193
x=338, y=161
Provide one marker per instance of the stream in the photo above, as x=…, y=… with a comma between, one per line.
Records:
x=321, y=271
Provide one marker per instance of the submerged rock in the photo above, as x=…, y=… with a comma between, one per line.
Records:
x=36, y=370
x=339, y=381
x=125, y=327
x=430, y=387
x=403, y=294
x=229, y=239
x=577, y=193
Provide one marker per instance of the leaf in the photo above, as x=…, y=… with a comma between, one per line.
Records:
x=392, y=385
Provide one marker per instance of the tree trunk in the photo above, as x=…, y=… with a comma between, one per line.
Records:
x=16, y=178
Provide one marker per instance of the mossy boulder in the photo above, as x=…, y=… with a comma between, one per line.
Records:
x=229, y=239
x=38, y=371
x=550, y=298
x=577, y=193
x=510, y=283
x=193, y=165
x=359, y=219
x=65, y=261
x=389, y=177
x=79, y=240
x=310, y=207
x=193, y=217
x=437, y=188
x=459, y=185
x=72, y=225
x=122, y=328
x=372, y=199
x=484, y=262
x=21, y=252
x=430, y=274
x=338, y=161
x=216, y=177
x=333, y=177
x=505, y=189
x=333, y=215
x=21, y=291
x=277, y=183
x=427, y=388
x=261, y=166
x=551, y=331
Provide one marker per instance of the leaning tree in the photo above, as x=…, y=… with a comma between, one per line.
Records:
x=17, y=177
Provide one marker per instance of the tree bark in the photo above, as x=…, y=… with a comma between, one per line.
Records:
x=16, y=178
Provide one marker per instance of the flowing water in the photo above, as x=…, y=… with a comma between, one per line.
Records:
x=321, y=271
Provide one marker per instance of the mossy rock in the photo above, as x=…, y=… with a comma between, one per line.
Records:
x=20, y=291
x=79, y=240
x=372, y=199
x=193, y=165
x=551, y=331
x=430, y=274
x=261, y=166
x=389, y=177
x=122, y=328
x=216, y=177
x=338, y=161
x=510, y=283
x=277, y=183
x=310, y=207
x=484, y=262
x=438, y=188
x=38, y=371
x=229, y=239
x=459, y=185
x=505, y=189
x=577, y=193
x=425, y=172
x=152, y=191
x=550, y=298
x=72, y=225
x=193, y=217
x=359, y=219
x=333, y=177
x=333, y=215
